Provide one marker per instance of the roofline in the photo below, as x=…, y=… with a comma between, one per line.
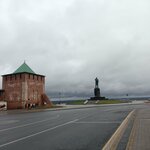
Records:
x=22, y=73
x=24, y=68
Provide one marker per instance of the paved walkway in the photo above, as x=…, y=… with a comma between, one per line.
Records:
x=140, y=134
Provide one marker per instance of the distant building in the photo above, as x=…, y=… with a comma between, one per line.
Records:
x=23, y=89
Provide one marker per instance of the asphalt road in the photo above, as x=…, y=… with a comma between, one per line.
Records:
x=74, y=129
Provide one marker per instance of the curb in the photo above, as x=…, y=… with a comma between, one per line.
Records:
x=89, y=106
x=66, y=108
x=115, y=138
x=133, y=134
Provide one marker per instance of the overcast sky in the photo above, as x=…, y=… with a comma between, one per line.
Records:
x=74, y=41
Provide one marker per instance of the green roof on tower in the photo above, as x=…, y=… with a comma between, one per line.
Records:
x=24, y=68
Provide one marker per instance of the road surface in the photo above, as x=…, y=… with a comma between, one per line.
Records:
x=73, y=129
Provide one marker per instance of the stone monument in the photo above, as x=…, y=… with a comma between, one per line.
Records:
x=97, y=94
x=97, y=89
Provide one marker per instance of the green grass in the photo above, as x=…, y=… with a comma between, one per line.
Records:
x=76, y=102
x=81, y=102
x=110, y=101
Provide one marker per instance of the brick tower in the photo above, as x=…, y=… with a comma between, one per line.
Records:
x=23, y=88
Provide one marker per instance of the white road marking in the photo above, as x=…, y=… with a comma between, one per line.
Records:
x=100, y=122
x=32, y=135
x=20, y=126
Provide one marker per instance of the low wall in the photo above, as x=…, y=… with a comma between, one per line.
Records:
x=15, y=105
x=22, y=104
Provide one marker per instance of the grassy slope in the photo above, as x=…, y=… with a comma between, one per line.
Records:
x=81, y=102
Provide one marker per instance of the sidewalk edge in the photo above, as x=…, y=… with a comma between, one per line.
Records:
x=115, y=138
x=133, y=134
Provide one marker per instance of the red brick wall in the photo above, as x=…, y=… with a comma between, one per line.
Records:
x=36, y=87
x=12, y=87
x=23, y=88
x=14, y=105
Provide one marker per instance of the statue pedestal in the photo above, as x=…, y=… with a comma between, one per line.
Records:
x=97, y=98
x=97, y=92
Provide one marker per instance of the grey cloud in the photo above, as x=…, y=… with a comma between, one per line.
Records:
x=72, y=42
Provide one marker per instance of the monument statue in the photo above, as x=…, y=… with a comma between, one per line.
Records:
x=96, y=82
x=96, y=89
x=97, y=94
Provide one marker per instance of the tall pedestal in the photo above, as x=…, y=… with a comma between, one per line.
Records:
x=97, y=94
